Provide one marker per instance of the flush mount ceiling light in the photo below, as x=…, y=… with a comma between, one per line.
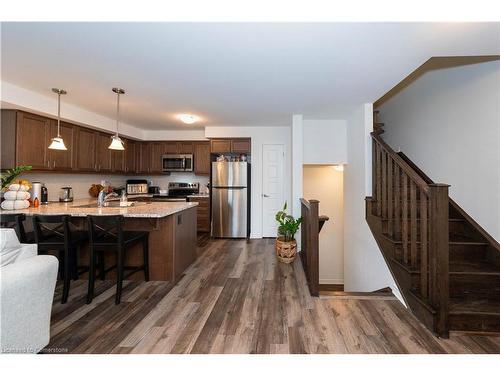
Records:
x=116, y=142
x=57, y=142
x=186, y=118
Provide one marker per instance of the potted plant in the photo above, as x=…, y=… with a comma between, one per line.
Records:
x=286, y=246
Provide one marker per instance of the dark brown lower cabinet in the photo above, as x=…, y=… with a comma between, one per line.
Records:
x=203, y=213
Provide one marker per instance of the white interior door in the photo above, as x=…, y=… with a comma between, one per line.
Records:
x=273, y=196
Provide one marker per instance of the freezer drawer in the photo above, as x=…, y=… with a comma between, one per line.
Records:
x=229, y=212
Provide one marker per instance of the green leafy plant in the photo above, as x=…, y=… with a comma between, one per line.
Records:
x=10, y=174
x=288, y=225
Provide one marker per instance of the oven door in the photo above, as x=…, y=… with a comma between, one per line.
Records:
x=175, y=163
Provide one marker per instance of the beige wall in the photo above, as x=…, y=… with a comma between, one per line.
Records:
x=325, y=184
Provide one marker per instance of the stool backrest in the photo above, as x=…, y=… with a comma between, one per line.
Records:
x=52, y=229
x=105, y=230
x=15, y=221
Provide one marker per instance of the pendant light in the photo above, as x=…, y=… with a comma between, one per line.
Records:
x=116, y=142
x=57, y=142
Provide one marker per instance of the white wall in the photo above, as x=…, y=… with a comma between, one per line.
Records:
x=174, y=135
x=259, y=136
x=365, y=269
x=324, y=141
x=448, y=123
x=324, y=183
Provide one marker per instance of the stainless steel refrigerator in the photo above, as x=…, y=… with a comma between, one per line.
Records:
x=230, y=199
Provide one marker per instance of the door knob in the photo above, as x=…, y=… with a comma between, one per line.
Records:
x=265, y=195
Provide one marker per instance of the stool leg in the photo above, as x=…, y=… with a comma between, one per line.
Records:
x=74, y=263
x=102, y=268
x=145, y=250
x=90, y=292
x=119, y=276
x=66, y=277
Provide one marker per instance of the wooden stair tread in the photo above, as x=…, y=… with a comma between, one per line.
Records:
x=460, y=268
x=485, y=268
x=475, y=305
x=470, y=242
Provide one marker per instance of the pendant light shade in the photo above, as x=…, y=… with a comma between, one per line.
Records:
x=57, y=142
x=116, y=141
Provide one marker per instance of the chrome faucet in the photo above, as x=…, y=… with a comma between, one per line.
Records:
x=103, y=197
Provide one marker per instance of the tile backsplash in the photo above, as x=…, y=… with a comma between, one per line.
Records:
x=162, y=181
x=82, y=182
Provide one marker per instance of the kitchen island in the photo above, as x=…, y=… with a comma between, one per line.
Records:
x=171, y=227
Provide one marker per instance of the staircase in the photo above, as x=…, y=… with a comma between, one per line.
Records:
x=446, y=266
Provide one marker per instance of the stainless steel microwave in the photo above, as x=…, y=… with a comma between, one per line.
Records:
x=177, y=163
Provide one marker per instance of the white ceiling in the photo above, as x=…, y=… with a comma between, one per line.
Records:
x=228, y=74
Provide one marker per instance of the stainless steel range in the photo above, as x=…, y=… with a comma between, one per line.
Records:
x=179, y=191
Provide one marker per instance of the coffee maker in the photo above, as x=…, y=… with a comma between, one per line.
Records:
x=39, y=191
x=66, y=194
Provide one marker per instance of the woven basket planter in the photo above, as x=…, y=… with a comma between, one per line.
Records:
x=285, y=250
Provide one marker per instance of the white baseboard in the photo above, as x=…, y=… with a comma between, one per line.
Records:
x=331, y=281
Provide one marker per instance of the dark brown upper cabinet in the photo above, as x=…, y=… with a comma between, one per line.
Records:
x=220, y=146
x=85, y=150
x=145, y=157
x=241, y=146
x=158, y=149
x=32, y=140
x=186, y=148
x=118, y=160
x=230, y=145
x=171, y=148
x=88, y=152
x=63, y=159
x=202, y=158
x=103, y=153
x=130, y=156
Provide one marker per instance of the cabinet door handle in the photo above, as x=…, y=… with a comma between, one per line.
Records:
x=265, y=195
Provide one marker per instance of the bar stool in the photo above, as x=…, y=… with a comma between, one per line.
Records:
x=16, y=221
x=53, y=233
x=107, y=235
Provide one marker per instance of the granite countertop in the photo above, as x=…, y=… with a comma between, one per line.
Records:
x=138, y=210
x=199, y=196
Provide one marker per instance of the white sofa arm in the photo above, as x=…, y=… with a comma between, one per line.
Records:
x=26, y=294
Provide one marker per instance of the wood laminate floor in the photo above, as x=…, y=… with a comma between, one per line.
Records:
x=237, y=298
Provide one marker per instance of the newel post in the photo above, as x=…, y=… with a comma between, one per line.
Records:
x=439, y=255
x=313, y=246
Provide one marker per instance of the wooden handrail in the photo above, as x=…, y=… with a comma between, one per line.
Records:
x=402, y=164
